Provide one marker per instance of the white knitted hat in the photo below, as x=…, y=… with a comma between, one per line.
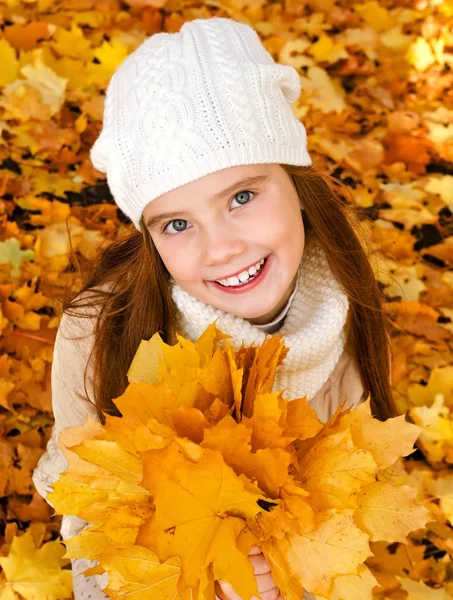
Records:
x=187, y=104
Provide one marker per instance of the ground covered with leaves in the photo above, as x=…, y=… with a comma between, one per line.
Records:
x=377, y=103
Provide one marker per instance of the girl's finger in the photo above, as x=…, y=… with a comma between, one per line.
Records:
x=265, y=583
x=266, y=587
x=255, y=550
x=260, y=564
x=225, y=591
x=272, y=594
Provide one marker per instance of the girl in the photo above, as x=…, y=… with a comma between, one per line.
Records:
x=204, y=155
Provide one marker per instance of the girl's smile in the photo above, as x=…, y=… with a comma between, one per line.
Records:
x=246, y=279
x=233, y=239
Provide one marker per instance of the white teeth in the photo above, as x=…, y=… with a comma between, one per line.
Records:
x=233, y=280
x=243, y=276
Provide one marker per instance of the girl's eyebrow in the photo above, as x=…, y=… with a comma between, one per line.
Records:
x=248, y=181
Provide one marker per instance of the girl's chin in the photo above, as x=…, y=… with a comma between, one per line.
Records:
x=251, y=314
x=249, y=308
x=244, y=306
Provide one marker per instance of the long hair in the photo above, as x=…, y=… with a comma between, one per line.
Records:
x=128, y=285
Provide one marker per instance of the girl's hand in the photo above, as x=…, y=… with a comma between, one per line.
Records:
x=264, y=581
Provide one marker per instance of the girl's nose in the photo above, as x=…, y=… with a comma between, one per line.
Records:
x=221, y=246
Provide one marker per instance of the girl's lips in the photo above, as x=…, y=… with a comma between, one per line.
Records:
x=250, y=284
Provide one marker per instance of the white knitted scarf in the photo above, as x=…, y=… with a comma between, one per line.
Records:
x=314, y=328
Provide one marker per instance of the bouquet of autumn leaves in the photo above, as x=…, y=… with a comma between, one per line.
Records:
x=206, y=462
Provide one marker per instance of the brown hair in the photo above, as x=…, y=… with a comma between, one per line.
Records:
x=129, y=285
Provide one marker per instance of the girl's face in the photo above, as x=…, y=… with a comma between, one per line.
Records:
x=211, y=233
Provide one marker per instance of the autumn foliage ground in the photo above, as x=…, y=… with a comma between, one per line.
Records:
x=377, y=103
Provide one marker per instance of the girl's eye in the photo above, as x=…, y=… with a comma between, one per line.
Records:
x=178, y=225
x=243, y=197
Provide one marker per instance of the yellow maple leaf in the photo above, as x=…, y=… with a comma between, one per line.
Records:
x=354, y=587
x=10, y=66
x=405, y=283
x=137, y=572
x=324, y=93
x=387, y=441
x=43, y=85
x=442, y=489
x=326, y=50
x=194, y=374
x=200, y=507
x=395, y=38
x=440, y=382
x=110, y=55
x=334, y=470
x=94, y=489
x=420, y=54
x=261, y=375
x=207, y=343
x=302, y=421
x=133, y=570
x=437, y=431
x=145, y=402
x=11, y=253
x=292, y=515
x=268, y=466
x=111, y=456
x=442, y=185
x=417, y=590
x=269, y=418
x=135, y=436
x=72, y=43
x=336, y=547
x=375, y=16
x=37, y=572
x=390, y=512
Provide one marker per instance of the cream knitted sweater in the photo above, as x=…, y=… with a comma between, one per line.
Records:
x=317, y=365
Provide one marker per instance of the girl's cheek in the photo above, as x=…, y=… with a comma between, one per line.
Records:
x=278, y=230
x=168, y=254
x=277, y=216
x=179, y=258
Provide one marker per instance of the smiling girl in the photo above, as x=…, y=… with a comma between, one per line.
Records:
x=232, y=223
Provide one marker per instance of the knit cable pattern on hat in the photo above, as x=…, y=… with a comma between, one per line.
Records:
x=314, y=329
x=187, y=104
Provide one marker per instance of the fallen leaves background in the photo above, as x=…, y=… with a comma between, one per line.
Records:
x=377, y=103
